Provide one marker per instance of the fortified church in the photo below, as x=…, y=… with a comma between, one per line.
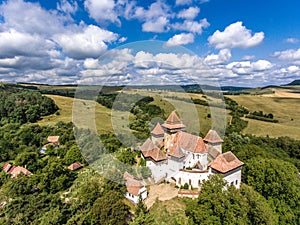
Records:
x=174, y=155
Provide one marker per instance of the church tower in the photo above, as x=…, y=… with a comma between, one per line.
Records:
x=213, y=140
x=173, y=124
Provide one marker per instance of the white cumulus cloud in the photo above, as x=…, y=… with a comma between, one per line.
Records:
x=180, y=39
x=155, y=25
x=87, y=44
x=222, y=57
x=235, y=36
x=155, y=18
x=261, y=65
x=67, y=7
x=102, y=11
x=192, y=26
x=183, y=2
x=14, y=43
x=289, y=55
x=189, y=13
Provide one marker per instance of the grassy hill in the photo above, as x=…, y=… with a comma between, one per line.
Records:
x=65, y=104
x=282, y=104
x=103, y=114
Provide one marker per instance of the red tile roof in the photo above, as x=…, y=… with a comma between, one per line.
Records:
x=200, y=147
x=198, y=165
x=147, y=145
x=175, y=151
x=53, y=139
x=133, y=186
x=158, y=130
x=189, y=142
x=156, y=154
x=212, y=137
x=127, y=175
x=213, y=152
x=75, y=166
x=7, y=167
x=173, y=118
x=173, y=122
x=225, y=162
x=18, y=170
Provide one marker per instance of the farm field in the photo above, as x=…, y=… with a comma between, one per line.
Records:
x=285, y=109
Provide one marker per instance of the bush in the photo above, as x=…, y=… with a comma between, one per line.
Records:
x=185, y=186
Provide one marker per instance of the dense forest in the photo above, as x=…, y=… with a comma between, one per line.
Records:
x=53, y=194
x=22, y=106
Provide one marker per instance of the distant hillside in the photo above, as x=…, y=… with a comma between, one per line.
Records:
x=192, y=88
x=295, y=82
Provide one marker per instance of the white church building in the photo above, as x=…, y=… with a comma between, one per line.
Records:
x=174, y=155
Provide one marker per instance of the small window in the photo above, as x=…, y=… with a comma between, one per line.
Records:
x=179, y=181
x=190, y=182
x=193, y=156
x=231, y=183
x=236, y=182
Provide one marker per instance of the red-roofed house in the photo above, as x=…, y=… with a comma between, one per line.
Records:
x=75, y=166
x=14, y=171
x=228, y=165
x=7, y=167
x=54, y=140
x=134, y=188
x=19, y=170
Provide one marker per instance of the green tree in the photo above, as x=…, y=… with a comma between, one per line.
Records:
x=73, y=155
x=259, y=211
x=278, y=182
x=219, y=205
x=28, y=159
x=141, y=214
x=109, y=209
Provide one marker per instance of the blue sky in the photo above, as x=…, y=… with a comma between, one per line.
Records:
x=232, y=42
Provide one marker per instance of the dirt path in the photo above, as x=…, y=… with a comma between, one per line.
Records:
x=161, y=191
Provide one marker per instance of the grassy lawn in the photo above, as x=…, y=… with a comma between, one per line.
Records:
x=286, y=110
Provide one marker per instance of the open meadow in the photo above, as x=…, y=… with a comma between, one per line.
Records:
x=282, y=104
x=65, y=104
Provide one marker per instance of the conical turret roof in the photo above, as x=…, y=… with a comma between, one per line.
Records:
x=158, y=130
x=173, y=122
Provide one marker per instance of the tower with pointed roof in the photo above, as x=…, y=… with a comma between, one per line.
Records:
x=213, y=141
x=173, y=124
x=157, y=135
